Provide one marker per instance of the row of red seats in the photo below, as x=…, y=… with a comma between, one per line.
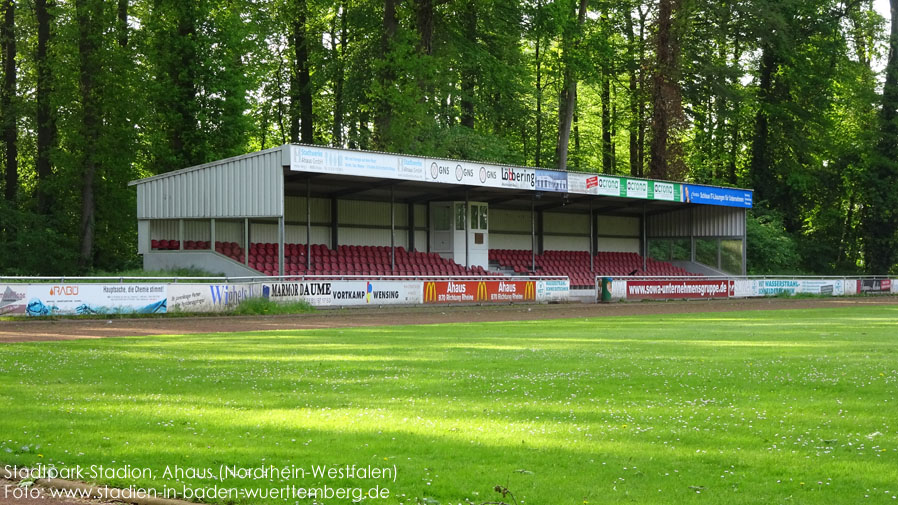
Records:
x=576, y=264
x=355, y=260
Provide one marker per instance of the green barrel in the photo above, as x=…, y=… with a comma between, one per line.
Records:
x=606, y=289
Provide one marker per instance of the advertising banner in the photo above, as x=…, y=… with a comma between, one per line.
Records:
x=479, y=291
x=553, y=290
x=83, y=299
x=716, y=196
x=345, y=293
x=874, y=286
x=208, y=297
x=582, y=183
x=479, y=174
x=664, y=191
x=358, y=163
x=637, y=188
x=12, y=299
x=551, y=180
x=773, y=287
x=637, y=290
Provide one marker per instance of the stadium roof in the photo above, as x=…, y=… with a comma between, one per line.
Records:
x=256, y=183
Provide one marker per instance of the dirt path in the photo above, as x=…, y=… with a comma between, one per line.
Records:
x=69, y=329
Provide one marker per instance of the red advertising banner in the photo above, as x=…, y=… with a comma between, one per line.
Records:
x=679, y=289
x=479, y=291
x=874, y=286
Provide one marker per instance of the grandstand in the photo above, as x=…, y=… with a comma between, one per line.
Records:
x=307, y=210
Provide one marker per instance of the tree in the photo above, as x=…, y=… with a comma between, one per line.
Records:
x=8, y=100
x=567, y=101
x=46, y=115
x=881, y=206
x=667, y=111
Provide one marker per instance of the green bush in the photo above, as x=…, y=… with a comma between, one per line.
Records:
x=264, y=306
x=771, y=249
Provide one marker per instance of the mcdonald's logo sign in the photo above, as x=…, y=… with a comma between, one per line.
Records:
x=430, y=292
x=483, y=294
x=530, y=290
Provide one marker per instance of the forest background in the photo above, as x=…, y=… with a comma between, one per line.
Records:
x=796, y=99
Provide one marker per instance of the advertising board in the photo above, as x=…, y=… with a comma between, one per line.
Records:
x=83, y=299
x=874, y=286
x=13, y=299
x=479, y=291
x=325, y=293
x=773, y=287
x=358, y=163
x=553, y=290
x=208, y=297
x=668, y=289
x=716, y=196
x=551, y=180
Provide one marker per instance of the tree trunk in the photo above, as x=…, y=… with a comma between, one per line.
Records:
x=469, y=70
x=10, y=108
x=122, y=25
x=301, y=118
x=667, y=108
x=46, y=121
x=183, y=133
x=383, y=118
x=539, y=96
x=339, y=56
x=88, y=15
x=606, y=121
x=568, y=99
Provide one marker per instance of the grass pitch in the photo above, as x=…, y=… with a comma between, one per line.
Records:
x=751, y=407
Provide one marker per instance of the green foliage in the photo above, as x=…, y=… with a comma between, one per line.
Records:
x=771, y=249
x=267, y=307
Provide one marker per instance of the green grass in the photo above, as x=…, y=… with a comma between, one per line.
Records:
x=736, y=408
x=264, y=306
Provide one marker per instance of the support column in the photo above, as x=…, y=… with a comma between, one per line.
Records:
x=246, y=241
x=744, y=241
x=540, y=232
x=410, y=222
x=644, y=240
x=467, y=231
x=592, y=239
x=692, y=234
x=533, y=233
x=428, y=226
x=335, y=218
x=392, y=232
x=212, y=232
x=181, y=236
x=282, y=232
x=308, y=225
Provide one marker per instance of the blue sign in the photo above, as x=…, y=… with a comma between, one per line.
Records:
x=551, y=180
x=716, y=196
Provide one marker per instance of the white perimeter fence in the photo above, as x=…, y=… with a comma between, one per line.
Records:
x=47, y=296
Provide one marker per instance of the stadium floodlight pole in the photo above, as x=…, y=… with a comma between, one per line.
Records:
x=392, y=232
x=308, y=224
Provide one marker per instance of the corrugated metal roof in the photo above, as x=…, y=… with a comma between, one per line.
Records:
x=250, y=185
